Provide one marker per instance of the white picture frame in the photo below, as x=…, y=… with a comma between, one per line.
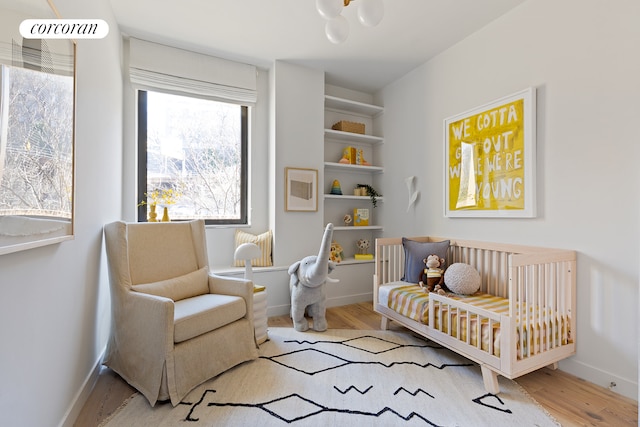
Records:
x=489, y=158
x=301, y=190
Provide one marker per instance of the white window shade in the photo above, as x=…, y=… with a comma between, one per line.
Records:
x=156, y=66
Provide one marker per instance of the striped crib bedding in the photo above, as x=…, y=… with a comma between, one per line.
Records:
x=413, y=302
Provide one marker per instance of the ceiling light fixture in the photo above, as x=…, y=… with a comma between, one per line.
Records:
x=370, y=13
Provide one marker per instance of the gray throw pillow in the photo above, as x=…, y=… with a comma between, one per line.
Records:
x=414, y=254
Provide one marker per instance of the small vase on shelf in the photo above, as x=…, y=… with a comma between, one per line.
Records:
x=165, y=214
x=153, y=215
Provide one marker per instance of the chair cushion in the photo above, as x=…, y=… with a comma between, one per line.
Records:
x=204, y=313
x=178, y=288
x=160, y=250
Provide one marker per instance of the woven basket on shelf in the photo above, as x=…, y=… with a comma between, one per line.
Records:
x=347, y=126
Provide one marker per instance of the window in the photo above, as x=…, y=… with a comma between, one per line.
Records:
x=36, y=144
x=197, y=148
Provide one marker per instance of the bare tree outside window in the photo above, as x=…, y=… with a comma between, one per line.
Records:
x=197, y=148
x=36, y=147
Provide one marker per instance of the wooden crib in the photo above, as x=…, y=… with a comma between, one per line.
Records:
x=531, y=322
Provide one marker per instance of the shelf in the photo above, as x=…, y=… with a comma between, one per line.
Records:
x=358, y=228
x=339, y=135
x=348, y=261
x=350, y=197
x=353, y=168
x=350, y=106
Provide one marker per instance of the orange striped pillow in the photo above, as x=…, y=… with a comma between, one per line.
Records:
x=264, y=243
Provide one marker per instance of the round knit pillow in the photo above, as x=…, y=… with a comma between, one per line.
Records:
x=462, y=278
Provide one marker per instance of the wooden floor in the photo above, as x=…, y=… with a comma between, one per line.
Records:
x=573, y=402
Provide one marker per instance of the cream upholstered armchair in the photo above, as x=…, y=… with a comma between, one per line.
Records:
x=174, y=325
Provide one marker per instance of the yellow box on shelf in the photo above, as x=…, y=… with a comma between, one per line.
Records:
x=363, y=256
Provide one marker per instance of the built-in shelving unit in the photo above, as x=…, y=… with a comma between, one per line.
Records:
x=349, y=175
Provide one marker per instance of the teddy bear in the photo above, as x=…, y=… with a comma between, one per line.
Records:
x=336, y=255
x=433, y=275
x=363, y=245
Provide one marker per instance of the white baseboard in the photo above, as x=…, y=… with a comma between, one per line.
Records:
x=280, y=310
x=622, y=386
x=349, y=299
x=82, y=395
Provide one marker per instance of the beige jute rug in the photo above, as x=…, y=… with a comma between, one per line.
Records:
x=344, y=378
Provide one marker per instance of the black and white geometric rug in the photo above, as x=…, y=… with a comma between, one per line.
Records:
x=344, y=378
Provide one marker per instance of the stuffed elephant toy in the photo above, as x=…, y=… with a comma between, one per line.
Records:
x=307, y=279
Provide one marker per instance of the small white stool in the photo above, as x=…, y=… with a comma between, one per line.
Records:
x=260, y=313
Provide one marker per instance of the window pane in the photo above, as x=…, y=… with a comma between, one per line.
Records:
x=36, y=147
x=195, y=147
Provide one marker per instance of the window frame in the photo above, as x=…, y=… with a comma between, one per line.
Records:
x=141, y=113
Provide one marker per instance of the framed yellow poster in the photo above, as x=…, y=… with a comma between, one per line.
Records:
x=490, y=159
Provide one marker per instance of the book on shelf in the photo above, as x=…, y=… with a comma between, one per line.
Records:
x=360, y=217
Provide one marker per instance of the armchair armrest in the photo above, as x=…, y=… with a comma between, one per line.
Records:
x=233, y=286
x=143, y=350
x=145, y=309
x=230, y=286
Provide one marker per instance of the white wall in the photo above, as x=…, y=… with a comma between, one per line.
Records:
x=581, y=55
x=297, y=104
x=54, y=310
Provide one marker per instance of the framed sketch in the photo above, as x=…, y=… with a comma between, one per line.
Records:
x=490, y=159
x=301, y=190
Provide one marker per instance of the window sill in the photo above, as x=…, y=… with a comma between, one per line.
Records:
x=239, y=271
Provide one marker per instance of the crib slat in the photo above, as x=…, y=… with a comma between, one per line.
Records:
x=537, y=310
x=390, y=272
x=548, y=341
x=553, y=310
x=503, y=273
x=560, y=303
x=400, y=265
x=521, y=301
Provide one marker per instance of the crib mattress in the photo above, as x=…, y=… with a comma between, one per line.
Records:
x=413, y=302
